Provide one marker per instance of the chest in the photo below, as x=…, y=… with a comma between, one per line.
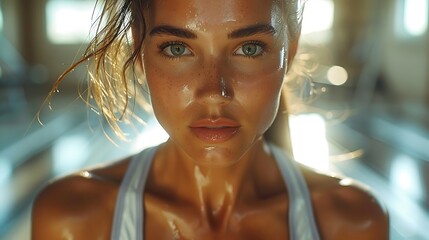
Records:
x=262, y=222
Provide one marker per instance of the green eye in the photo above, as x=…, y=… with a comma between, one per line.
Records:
x=175, y=50
x=250, y=50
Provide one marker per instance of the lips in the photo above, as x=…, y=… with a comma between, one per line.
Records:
x=215, y=130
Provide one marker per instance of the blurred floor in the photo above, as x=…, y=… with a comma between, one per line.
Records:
x=78, y=145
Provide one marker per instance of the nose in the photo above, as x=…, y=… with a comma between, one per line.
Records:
x=214, y=84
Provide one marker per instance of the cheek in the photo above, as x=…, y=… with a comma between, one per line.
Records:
x=169, y=94
x=260, y=96
x=165, y=77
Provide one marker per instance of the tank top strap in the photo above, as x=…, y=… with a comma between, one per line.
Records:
x=128, y=220
x=302, y=224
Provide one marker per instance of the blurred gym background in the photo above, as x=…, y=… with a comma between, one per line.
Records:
x=363, y=108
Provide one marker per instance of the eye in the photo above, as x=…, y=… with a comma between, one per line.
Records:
x=250, y=49
x=175, y=49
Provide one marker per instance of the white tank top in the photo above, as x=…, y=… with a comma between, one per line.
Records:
x=128, y=219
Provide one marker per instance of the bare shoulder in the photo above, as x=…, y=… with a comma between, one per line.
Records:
x=77, y=206
x=346, y=209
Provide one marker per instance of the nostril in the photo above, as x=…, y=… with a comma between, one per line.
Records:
x=214, y=89
x=216, y=98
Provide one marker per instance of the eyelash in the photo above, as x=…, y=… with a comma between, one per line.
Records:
x=164, y=45
x=258, y=43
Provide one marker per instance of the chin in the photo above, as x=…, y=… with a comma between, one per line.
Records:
x=216, y=156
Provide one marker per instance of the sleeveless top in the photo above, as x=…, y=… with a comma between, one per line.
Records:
x=128, y=218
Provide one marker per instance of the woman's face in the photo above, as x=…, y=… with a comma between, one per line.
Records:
x=215, y=71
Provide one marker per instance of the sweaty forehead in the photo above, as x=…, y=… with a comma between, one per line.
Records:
x=212, y=13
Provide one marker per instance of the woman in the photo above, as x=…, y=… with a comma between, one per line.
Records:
x=214, y=72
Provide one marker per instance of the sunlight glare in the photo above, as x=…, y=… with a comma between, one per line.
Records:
x=405, y=176
x=70, y=153
x=309, y=144
x=69, y=22
x=152, y=135
x=318, y=16
x=416, y=16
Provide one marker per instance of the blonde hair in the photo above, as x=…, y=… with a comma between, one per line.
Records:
x=114, y=55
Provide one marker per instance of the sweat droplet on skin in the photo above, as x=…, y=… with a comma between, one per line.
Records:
x=176, y=233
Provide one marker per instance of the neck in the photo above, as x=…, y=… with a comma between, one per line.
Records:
x=215, y=191
x=218, y=190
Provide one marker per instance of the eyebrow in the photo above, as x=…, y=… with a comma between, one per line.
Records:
x=239, y=33
x=252, y=30
x=174, y=31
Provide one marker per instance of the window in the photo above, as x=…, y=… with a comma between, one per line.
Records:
x=318, y=16
x=412, y=18
x=69, y=21
x=317, y=22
